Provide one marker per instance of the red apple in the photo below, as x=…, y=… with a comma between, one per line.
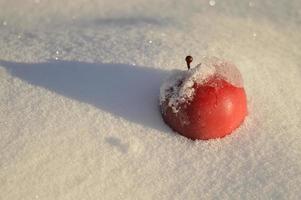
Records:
x=205, y=102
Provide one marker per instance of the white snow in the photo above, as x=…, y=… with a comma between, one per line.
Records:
x=178, y=88
x=84, y=123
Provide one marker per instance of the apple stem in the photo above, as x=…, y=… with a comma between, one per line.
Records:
x=188, y=59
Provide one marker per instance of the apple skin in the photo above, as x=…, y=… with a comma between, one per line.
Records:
x=216, y=109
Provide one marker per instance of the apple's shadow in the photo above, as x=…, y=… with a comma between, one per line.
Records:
x=128, y=91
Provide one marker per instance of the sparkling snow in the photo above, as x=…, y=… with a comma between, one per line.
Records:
x=79, y=99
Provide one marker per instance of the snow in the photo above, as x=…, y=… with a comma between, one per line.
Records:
x=79, y=99
x=178, y=88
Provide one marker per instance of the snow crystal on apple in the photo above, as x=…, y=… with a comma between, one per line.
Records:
x=178, y=88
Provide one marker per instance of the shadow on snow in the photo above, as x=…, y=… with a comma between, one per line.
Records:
x=131, y=92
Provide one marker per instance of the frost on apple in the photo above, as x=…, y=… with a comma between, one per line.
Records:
x=179, y=87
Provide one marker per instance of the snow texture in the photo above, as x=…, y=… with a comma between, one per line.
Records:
x=179, y=87
x=79, y=99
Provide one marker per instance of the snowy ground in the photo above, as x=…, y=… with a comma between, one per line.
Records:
x=79, y=86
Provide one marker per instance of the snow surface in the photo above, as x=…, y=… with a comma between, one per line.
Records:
x=178, y=87
x=79, y=94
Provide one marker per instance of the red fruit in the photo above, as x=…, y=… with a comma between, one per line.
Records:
x=215, y=109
